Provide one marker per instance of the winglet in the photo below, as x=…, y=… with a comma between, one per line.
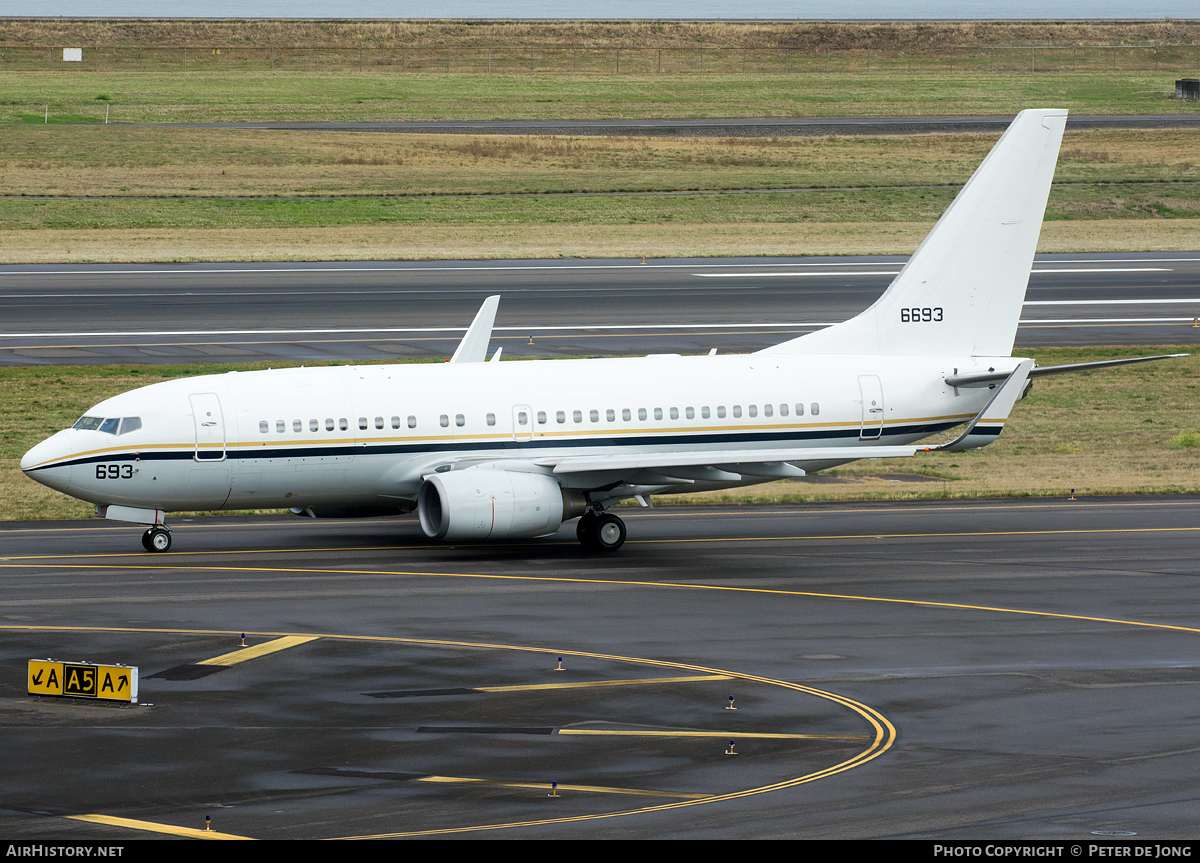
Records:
x=473, y=347
x=989, y=422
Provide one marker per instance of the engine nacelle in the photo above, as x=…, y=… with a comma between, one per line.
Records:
x=485, y=503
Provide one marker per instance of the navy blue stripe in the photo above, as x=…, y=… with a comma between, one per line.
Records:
x=515, y=446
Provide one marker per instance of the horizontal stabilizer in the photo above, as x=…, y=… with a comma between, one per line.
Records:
x=985, y=379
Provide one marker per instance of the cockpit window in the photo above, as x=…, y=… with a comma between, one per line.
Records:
x=110, y=425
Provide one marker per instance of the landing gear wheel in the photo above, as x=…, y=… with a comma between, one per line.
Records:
x=585, y=529
x=608, y=533
x=157, y=539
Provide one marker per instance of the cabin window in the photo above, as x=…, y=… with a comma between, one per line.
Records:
x=737, y=411
x=109, y=426
x=561, y=417
x=264, y=427
x=642, y=414
x=799, y=409
x=721, y=411
x=343, y=423
x=129, y=424
x=704, y=412
x=328, y=424
x=626, y=415
x=379, y=422
x=89, y=423
x=783, y=410
x=491, y=419
x=395, y=422
x=460, y=420
x=768, y=410
x=541, y=418
x=752, y=410
x=690, y=413
x=594, y=415
x=816, y=408
x=610, y=415
x=658, y=413
x=674, y=413
x=577, y=416
x=444, y=421
x=412, y=422
x=363, y=424
x=280, y=426
x=314, y=425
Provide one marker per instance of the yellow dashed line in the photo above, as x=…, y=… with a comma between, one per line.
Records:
x=258, y=650
x=154, y=827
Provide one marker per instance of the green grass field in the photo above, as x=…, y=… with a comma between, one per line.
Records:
x=163, y=97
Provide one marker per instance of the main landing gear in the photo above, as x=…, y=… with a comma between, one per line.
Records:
x=157, y=539
x=600, y=531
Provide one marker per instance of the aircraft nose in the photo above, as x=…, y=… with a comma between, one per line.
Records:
x=41, y=462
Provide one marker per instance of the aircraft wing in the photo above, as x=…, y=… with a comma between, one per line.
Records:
x=746, y=462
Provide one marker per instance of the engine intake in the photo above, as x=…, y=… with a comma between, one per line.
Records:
x=485, y=503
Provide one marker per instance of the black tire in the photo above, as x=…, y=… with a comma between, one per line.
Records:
x=157, y=540
x=585, y=529
x=608, y=533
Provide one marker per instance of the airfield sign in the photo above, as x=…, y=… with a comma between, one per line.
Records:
x=83, y=680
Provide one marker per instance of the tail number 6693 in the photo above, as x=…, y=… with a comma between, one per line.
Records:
x=909, y=316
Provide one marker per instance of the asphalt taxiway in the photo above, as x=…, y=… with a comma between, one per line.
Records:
x=67, y=314
x=950, y=669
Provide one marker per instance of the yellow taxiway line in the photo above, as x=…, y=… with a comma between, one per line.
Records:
x=154, y=827
x=639, y=681
x=546, y=786
x=267, y=647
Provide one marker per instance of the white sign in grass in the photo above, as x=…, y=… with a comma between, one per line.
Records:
x=72, y=55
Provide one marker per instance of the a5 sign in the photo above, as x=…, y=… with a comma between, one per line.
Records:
x=916, y=315
x=83, y=680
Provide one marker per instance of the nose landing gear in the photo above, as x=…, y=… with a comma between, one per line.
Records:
x=157, y=539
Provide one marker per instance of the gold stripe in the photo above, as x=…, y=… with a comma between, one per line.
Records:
x=267, y=647
x=154, y=827
x=545, y=786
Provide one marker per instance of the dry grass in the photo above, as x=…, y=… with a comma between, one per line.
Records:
x=895, y=37
x=432, y=242
x=134, y=161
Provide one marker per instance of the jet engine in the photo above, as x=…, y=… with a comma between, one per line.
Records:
x=485, y=503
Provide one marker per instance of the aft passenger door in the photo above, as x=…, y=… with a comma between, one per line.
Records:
x=872, y=407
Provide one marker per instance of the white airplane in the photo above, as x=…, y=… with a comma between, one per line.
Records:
x=491, y=450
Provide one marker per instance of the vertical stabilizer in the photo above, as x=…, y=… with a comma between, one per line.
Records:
x=961, y=292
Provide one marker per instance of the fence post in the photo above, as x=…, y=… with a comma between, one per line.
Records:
x=360, y=58
x=185, y=59
x=660, y=61
x=489, y=59
x=1073, y=50
x=317, y=57
x=743, y=61
x=447, y=61
x=618, y=61
x=272, y=59
x=1032, y=61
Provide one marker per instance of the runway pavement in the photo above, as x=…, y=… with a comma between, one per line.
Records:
x=941, y=670
x=379, y=310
